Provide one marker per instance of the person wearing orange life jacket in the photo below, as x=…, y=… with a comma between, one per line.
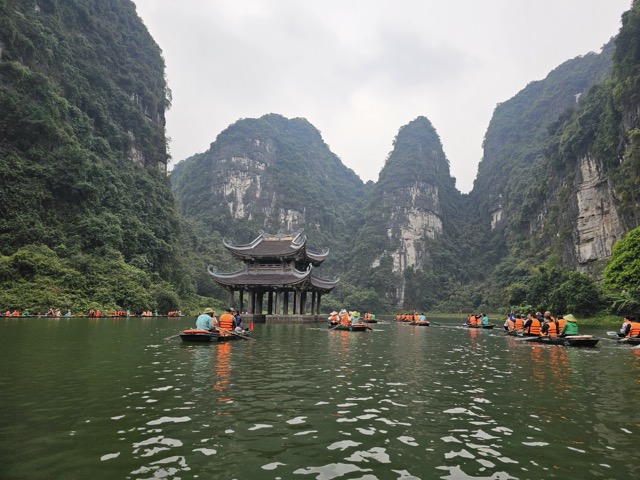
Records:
x=549, y=327
x=509, y=324
x=634, y=330
x=625, y=329
x=226, y=322
x=518, y=323
x=532, y=325
x=333, y=318
x=560, y=323
x=344, y=317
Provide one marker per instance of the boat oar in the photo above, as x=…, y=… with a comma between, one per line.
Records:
x=237, y=334
x=172, y=336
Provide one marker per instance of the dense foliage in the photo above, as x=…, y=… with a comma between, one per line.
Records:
x=82, y=157
x=88, y=219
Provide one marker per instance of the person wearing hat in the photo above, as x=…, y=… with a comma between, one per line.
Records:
x=333, y=318
x=204, y=320
x=570, y=326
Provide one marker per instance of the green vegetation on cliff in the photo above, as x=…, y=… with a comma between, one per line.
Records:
x=87, y=213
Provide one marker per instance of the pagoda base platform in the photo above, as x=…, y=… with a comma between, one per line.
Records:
x=284, y=318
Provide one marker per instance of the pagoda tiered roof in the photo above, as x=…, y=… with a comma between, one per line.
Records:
x=282, y=246
x=273, y=277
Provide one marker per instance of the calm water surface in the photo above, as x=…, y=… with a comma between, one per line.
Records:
x=112, y=399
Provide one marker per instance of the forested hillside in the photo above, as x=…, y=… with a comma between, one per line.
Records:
x=556, y=188
x=271, y=174
x=87, y=216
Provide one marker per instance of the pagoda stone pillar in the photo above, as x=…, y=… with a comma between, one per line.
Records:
x=270, y=303
x=259, y=298
x=241, y=301
x=318, y=303
x=298, y=303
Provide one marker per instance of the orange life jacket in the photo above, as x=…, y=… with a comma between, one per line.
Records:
x=226, y=321
x=552, y=328
x=344, y=320
x=517, y=324
x=635, y=329
x=561, y=323
x=534, y=327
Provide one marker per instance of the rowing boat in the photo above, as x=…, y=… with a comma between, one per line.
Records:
x=198, y=335
x=628, y=340
x=354, y=327
x=488, y=326
x=569, y=340
x=420, y=324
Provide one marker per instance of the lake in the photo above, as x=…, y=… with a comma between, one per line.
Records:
x=112, y=399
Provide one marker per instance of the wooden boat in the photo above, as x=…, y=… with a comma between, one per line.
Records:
x=197, y=335
x=569, y=340
x=421, y=324
x=628, y=340
x=369, y=320
x=520, y=333
x=487, y=326
x=353, y=327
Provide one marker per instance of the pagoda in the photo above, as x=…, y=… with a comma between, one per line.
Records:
x=280, y=266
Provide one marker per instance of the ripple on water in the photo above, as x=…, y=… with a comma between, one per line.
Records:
x=332, y=470
x=162, y=420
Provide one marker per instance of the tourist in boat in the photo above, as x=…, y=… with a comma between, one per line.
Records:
x=237, y=318
x=633, y=327
x=204, y=321
x=422, y=318
x=344, y=317
x=549, y=328
x=333, y=318
x=570, y=326
x=510, y=324
x=485, y=319
x=532, y=324
x=226, y=322
x=518, y=324
x=625, y=329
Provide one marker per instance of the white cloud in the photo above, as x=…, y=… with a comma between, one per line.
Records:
x=360, y=70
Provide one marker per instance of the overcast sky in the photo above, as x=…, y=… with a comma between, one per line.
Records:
x=358, y=70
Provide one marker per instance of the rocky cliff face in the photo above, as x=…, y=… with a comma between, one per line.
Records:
x=270, y=173
x=414, y=215
x=406, y=214
x=598, y=225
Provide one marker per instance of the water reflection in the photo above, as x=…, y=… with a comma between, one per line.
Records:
x=303, y=402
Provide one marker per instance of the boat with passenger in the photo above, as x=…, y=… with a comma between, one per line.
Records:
x=200, y=335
